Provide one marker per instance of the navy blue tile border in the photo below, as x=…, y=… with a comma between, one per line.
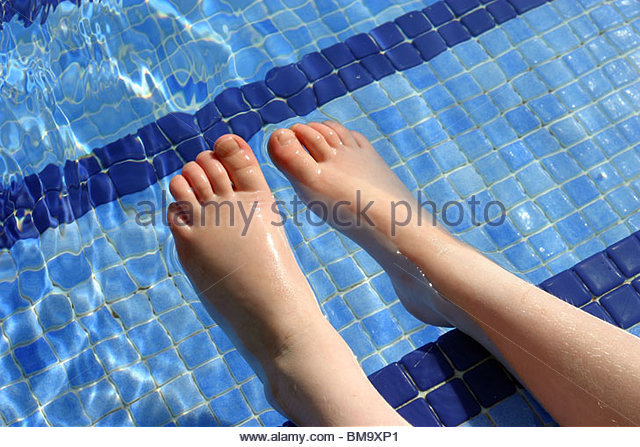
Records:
x=28, y=10
x=60, y=194
x=423, y=385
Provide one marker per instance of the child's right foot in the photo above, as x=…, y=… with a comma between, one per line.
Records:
x=340, y=166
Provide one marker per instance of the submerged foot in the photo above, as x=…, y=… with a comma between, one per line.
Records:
x=331, y=165
x=225, y=224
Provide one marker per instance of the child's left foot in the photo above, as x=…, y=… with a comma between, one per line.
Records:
x=228, y=238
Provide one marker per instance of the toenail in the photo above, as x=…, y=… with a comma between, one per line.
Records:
x=229, y=143
x=285, y=136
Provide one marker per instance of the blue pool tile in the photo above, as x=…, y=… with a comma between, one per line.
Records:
x=361, y=45
x=286, y=80
x=230, y=102
x=522, y=256
x=35, y=356
x=514, y=412
x=66, y=411
x=166, y=366
x=133, y=381
x=623, y=304
x=394, y=385
x=99, y=399
x=500, y=132
x=197, y=349
x=503, y=235
x=116, y=352
x=149, y=338
x=453, y=33
x=492, y=168
x=254, y=391
x=213, y=378
x=568, y=287
x=599, y=274
x=358, y=340
x=438, y=13
x=404, y=56
x=430, y=45
x=427, y=366
x=180, y=322
x=548, y=243
x=84, y=369
x=362, y=300
x=10, y=371
x=115, y=283
x=16, y=402
x=68, y=270
x=626, y=255
x=272, y=419
x=489, y=383
x=587, y=154
x=100, y=325
x=555, y=204
x=345, y=273
x=181, y=394
x=478, y=22
x=68, y=341
x=624, y=200
x=230, y=408
x=118, y=418
x=382, y=328
x=32, y=284
x=453, y=403
x=150, y=411
x=240, y=369
x=413, y=23
x=134, y=310
x=598, y=311
x=561, y=166
x=568, y=131
x=418, y=414
x=574, y=229
x=581, y=190
x=200, y=417
x=516, y=155
x=462, y=350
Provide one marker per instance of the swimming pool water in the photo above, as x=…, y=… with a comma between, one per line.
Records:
x=98, y=323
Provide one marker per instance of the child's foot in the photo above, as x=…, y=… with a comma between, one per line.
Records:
x=225, y=225
x=330, y=164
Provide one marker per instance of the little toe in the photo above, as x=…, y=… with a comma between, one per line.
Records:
x=328, y=133
x=361, y=140
x=314, y=141
x=288, y=154
x=238, y=159
x=198, y=180
x=215, y=171
x=345, y=135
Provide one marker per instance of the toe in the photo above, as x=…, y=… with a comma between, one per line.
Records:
x=289, y=155
x=215, y=171
x=180, y=213
x=238, y=159
x=181, y=190
x=342, y=132
x=361, y=140
x=328, y=133
x=198, y=180
x=314, y=141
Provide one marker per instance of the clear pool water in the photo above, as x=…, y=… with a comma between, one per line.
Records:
x=99, y=324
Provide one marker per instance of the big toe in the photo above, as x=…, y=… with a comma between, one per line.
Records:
x=240, y=162
x=290, y=156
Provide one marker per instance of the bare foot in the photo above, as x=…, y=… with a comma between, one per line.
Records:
x=329, y=164
x=225, y=225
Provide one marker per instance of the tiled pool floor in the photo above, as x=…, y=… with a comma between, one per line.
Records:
x=98, y=325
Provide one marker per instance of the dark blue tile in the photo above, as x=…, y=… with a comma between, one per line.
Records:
x=35, y=186
x=285, y=81
x=84, y=369
x=208, y=115
x=438, y=13
x=215, y=132
x=523, y=6
x=501, y=11
x=303, y=103
x=624, y=306
x=462, y=350
x=275, y=112
x=339, y=55
x=404, y=56
x=430, y=45
x=453, y=403
x=413, y=23
x=315, y=66
x=626, y=255
x=394, y=385
x=478, y=22
x=355, y=76
x=329, y=88
x=178, y=126
x=599, y=274
x=21, y=197
x=636, y=284
x=230, y=102
x=51, y=178
x=387, y=35
x=131, y=176
x=489, y=382
x=378, y=65
x=246, y=125
x=88, y=166
x=126, y=148
x=35, y=356
x=427, y=366
x=257, y=93
x=568, y=287
x=453, y=33
x=361, y=45
x=190, y=149
x=101, y=189
x=597, y=310
x=459, y=7
x=418, y=414
x=166, y=163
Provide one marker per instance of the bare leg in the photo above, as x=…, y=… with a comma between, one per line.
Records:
x=583, y=370
x=252, y=285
